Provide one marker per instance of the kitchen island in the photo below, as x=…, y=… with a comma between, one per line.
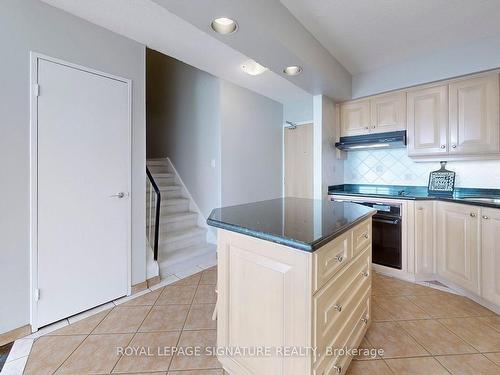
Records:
x=294, y=284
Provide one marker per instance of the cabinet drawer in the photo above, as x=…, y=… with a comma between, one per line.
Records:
x=349, y=338
x=362, y=237
x=331, y=258
x=335, y=303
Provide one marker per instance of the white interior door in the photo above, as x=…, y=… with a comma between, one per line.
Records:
x=299, y=168
x=83, y=157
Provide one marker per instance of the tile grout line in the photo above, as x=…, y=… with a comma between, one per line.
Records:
x=133, y=336
x=70, y=354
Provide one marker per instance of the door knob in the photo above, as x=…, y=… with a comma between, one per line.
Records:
x=453, y=146
x=443, y=146
x=119, y=195
x=485, y=217
x=472, y=214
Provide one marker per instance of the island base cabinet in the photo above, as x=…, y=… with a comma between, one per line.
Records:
x=264, y=299
x=267, y=300
x=491, y=255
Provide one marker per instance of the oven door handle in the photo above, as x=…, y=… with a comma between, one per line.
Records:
x=386, y=221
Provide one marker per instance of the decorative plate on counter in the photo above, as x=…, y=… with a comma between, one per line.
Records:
x=442, y=181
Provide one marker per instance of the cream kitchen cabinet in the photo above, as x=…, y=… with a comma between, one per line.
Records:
x=490, y=254
x=458, y=244
x=381, y=113
x=355, y=117
x=425, y=254
x=388, y=112
x=474, y=115
x=427, y=118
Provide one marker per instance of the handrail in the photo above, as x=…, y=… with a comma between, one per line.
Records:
x=157, y=215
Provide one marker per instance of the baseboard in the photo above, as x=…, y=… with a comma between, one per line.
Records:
x=153, y=281
x=392, y=272
x=15, y=334
x=139, y=287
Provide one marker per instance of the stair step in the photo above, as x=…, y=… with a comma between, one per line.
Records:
x=168, y=192
x=177, y=217
x=169, y=260
x=174, y=241
x=154, y=162
x=162, y=175
x=183, y=234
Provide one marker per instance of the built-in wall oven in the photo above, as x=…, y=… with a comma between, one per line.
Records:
x=387, y=241
x=386, y=234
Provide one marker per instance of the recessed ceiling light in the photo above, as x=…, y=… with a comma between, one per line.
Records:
x=253, y=68
x=224, y=25
x=292, y=70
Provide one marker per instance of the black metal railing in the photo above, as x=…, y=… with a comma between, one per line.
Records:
x=157, y=213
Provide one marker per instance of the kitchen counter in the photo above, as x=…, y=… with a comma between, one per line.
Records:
x=304, y=224
x=461, y=195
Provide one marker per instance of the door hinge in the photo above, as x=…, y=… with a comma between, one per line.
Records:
x=37, y=295
x=36, y=89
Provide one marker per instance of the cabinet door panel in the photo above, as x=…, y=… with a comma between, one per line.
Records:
x=355, y=117
x=424, y=238
x=491, y=255
x=474, y=118
x=428, y=121
x=388, y=113
x=458, y=244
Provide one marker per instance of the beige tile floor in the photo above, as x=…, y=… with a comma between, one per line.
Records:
x=422, y=331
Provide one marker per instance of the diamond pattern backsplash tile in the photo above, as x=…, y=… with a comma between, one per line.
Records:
x=394, y=167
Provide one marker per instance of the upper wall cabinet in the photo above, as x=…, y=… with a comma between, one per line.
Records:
x=428, y=121
x=355, y=117
x=382, y=113
x=474, y=118
x=388, y=112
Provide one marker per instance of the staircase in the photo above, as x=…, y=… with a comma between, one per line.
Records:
x=182, y=236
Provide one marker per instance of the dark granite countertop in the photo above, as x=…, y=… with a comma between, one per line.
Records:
x=460, y=195
x=304, y=224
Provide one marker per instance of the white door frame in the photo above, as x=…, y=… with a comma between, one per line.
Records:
x=34, y=58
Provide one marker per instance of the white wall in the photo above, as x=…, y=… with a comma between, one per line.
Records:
x=30, y=25
x=183, y=123
x=194, y=118
x=301, y=111
x=447, y=63
x=251, y=146
x=394, y=167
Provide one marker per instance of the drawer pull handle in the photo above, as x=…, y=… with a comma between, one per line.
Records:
x=485, y=217
x=337, y=368
x=339, y=258
x=472, y=214
x=365, y=274
x=338, y=307
x=365, y=235
x=365, y=320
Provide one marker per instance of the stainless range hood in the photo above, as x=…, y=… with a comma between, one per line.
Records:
x=373, y=141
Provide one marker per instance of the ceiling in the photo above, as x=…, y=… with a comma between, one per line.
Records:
x=365, y=35
x=154, y=26
x=333, y=40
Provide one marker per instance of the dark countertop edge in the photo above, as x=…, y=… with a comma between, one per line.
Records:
x=416, y=198
x=289, y=242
